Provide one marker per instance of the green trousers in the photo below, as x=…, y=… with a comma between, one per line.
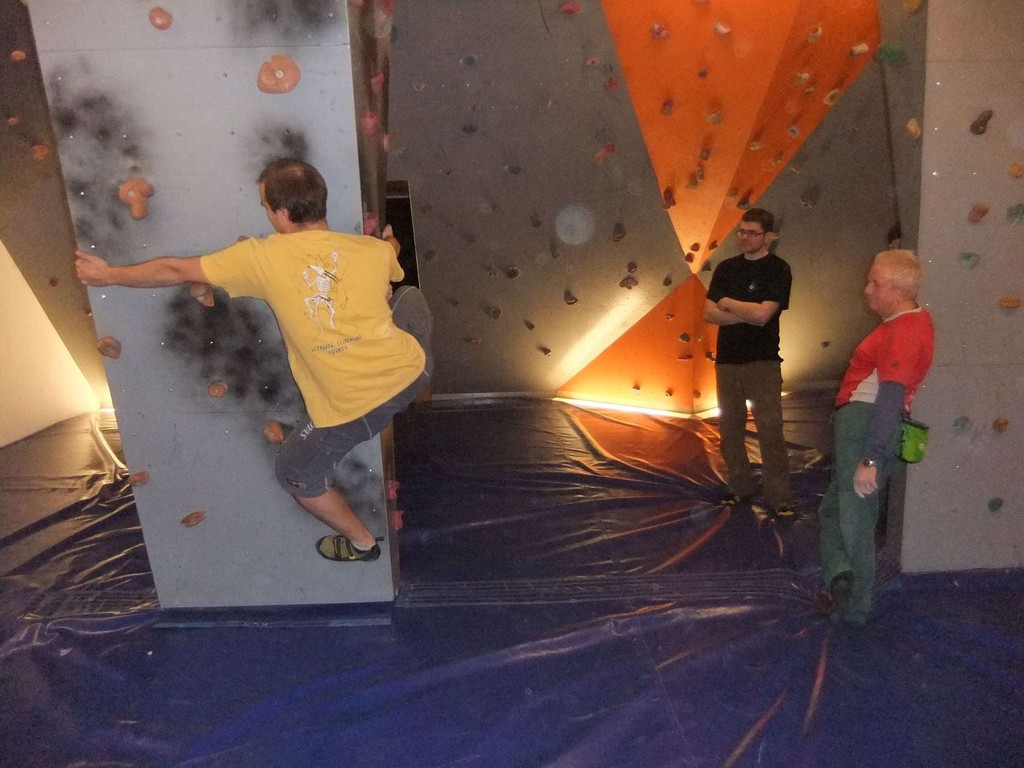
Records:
x=848, y=521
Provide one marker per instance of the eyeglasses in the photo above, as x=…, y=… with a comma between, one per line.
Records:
x=748, y=233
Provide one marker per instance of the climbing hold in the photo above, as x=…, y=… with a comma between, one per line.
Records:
x=709, y=355
x=722, y=29
x=659, y=32
x=685, y=338
x=809, y=198
x=697, y=395
x=977, y=213
x=397, y=523
x=1014, y=214
x=377, y=82
x=705, y=153
x=754, y=146
x=273, y=432
x=385, y=142
x=685, y=356
x=18, y=56
x=54, y=282
x=134, y=193
x=688, y=258
x=824, y=344
x=636, y=389
x=980, y=123
x=1017, y=171
x=666, y=107
x=712, y=245
x=669, y=316
x=832, y=97
x=369, y=122
x=160, y=18
x=793, y=131
x=629, y=282
x=138, y=478
x=535, y=220
x=493, y=312
x=193, y=519
x=512, y=272
x=913, y=129
x=40, y=151
x=279, y=74
x=911, y=6
x=529, y=326
x=961, y=424
x=467, y=128
x=592, y=61
x=569, y=298
x=544, y=351
x=1009, y=302
x=994, y=505
x=733, y=193
x=890, y=52
x=695, y=247
x=631, y=267
x=968, y=259
x=618, y=232
x=815, y=35
x=13, y=120
x=744, y=203
x=668, y=393
x=715, y=117
x=371, y=221
x=803, y=78
x=569, y=8
x=611, y=84
x=702, y=72
x=859, y=50
x=668, y=198
x=217, y=389
x=779, y=157
x=109, y=347
x=1000, y=425
x=472, y=340
x=604, y=152
x=667, y=281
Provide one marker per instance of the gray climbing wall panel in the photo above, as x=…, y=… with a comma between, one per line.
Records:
x=179, y=107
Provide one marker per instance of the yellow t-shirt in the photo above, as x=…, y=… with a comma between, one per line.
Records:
x=329, y=292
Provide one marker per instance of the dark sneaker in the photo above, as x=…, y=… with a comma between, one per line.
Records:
x=835, y=599
x=340, y=549
x=733, y=499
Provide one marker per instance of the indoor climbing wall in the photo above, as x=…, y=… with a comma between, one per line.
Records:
x=965, y=500
x=164, y=118
x=537, y=182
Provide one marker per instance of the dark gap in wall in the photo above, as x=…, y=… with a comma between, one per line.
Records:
x=398, y=213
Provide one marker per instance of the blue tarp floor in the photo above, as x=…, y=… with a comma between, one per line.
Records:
x=573, y=594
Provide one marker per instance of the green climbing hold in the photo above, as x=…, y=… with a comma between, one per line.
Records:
x=994, y=505
x=960, y=424
x=968, y=260
x=1014, y=214
x=890, y=52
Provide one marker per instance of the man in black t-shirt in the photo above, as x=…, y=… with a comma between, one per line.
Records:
x=747, y=294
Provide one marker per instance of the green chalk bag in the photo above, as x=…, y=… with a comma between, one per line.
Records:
x=913, y=440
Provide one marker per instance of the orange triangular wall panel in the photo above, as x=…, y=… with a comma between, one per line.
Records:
x=662, y=362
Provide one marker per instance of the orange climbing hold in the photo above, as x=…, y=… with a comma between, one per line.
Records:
x=138, y=478
x=109, y=347
x=40, y=151
x=977, y=213
x=217, y=389
x=602, y=154
x=192, y=519
x=160, y=18
x=279, y=74
x=17, y=56
x=913, y=129
x=369, y=122
x=1000, y=425
x=1017, y=171
x=1009, y=302
x=134, y=193
x=273, y=432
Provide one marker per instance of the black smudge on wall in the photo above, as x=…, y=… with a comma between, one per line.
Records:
x=100, y=148
x=291, y=18
x=273, y=142
x=234, y=343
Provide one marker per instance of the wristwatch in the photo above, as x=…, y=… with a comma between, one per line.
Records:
x=869, y=462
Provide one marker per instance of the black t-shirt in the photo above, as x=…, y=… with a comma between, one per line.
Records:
x=757, y=280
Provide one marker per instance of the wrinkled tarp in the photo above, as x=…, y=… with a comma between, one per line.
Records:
x=573, y=594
